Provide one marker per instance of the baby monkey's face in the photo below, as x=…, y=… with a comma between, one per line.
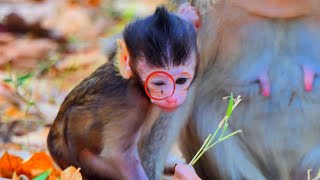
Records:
x=168, y=87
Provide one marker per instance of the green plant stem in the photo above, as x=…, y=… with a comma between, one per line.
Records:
x=198, y=157
x=229, y=135
x=203, y=150
x=224, y=138
x=212, y=137
x=28, y=106
x=202, y=147
x=222, y=125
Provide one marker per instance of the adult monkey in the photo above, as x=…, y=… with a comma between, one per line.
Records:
x=268, y=52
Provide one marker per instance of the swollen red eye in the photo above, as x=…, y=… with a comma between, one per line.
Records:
x=181, y=80
x=159, y=83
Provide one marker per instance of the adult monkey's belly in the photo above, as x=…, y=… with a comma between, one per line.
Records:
x=273, y=65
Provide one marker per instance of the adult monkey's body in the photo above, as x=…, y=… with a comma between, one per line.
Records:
x=268, y=53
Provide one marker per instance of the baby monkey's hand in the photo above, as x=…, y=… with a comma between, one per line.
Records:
x=185, y=172
x=190, y=14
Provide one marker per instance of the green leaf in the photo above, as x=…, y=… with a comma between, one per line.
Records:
x=318, y=175
x=22, y=79
x=44, y=175
x=31, y=103
x=230, y=106
x=8, y=80
x=72, y=40
x=25, y=77
x=129, y=13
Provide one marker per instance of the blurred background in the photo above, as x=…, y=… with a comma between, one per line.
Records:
x=46, y=48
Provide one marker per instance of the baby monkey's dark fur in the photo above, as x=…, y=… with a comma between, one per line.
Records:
x=99, y=123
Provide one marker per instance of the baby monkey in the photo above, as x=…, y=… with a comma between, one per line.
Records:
x=99, y=123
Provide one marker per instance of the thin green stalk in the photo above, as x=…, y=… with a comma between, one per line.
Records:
x=212, y=145
x=225, y=118
x=202, y=152
x=212, y=137
x=222, y=139
x=231, y=134
x=202, y=147
x=224, y=128
x=223, y=125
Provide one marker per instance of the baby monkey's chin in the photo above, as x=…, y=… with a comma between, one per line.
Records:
x=168, y=109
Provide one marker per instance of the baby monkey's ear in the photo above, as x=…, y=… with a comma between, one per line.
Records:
x=124, y=59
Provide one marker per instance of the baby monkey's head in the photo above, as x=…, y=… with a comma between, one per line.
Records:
x=161, y=52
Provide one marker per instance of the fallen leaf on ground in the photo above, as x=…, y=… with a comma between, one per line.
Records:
x=82, y=59
x=71, y=173
x=8, y=164
x=25, y=52
x=36, y=138
x=7, y=94
x=94, y=3
x=14, y=113
x=15, y=177
x=6, y=38
x=60, y=22
x=37, y=164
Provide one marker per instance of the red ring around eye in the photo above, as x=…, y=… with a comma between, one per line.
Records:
x=158, y=72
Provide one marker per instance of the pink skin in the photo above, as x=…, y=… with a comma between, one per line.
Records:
x=185, y=172
x=190, y=14
x=180, y=94
x=308, y=78
x=264, y=84
x=309, y=75
x=171, y=103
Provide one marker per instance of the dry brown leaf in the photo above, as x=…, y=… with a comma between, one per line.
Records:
x=15, y=177
x=8, y=164
x=82, y=59
x=14, y=113
x=10, y=146
x=71, y=173
x=94, y=3
x=7, y=94
x=6, y=38
x=25, y=52
x=70, y=21
x=36, y=165
x=36, y=138
x=30, y=12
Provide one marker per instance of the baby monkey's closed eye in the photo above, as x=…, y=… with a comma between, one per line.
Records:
x=159, y=83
